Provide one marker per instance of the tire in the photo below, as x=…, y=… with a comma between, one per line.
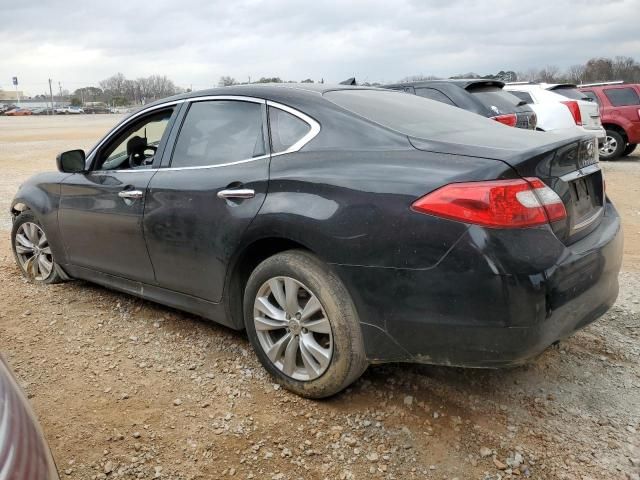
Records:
x=613, y=146
x=333, y=334
x=32, y=251
x=629, y=149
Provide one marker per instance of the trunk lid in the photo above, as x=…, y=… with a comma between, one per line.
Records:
x=566, y=163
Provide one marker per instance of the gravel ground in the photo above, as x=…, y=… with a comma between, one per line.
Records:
x=129, y=389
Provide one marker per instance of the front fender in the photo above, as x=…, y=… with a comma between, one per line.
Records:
x=41, y=195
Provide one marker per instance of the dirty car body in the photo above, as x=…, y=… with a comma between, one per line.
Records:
x=426, y=287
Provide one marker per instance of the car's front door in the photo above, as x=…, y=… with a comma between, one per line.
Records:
x=100, y=214
x=213, y=185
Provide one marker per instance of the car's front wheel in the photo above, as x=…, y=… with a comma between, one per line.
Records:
x=32, y=250
x=303, y=325
x=613, y=146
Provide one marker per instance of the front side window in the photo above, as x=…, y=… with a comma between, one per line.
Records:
x=622, y=97
x=218, y=132
x=286, y=129
x=135, y=147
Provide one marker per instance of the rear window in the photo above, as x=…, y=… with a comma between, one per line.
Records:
x=495, y=99
x=408, y=114
x=591, y=96
x=569, y=92
x=523, y=96
x=621, y=97
x=434, y=94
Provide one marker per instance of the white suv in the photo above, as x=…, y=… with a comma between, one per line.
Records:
x=560, y=107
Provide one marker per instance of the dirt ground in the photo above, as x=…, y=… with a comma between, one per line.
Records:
x=129, y=389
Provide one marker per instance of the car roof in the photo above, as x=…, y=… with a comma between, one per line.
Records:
x=460, y=82
x=267, y=90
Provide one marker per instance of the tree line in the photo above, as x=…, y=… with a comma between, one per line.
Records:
x=118, y=90
x=598, y=69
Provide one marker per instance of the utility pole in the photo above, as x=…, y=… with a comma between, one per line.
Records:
x=51, y=95
x=15, y=84
x=60, y=89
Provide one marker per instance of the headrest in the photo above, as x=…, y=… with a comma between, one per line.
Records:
x=136, y=144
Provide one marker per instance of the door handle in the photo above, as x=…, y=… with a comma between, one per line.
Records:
x=237, y=193
x=130, y=194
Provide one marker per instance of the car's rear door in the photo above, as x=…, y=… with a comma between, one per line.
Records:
x=211, y=185
x=100, y=213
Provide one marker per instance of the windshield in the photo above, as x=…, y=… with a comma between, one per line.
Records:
x=409, y=114
x=572, y=93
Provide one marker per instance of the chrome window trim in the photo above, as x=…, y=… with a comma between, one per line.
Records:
x=313, y=132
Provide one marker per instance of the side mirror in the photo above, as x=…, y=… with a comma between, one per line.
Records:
x=72, y=161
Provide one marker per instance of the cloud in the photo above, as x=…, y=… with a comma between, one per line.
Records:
x=195, y=42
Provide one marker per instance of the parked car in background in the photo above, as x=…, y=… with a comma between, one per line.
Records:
x=339, y=225
x=620, y=113
x=18, y=112
x=484, y=97
x=69, y=110
x=24, y=453
x=6, y=108
x=43, y=111
x=560, y=108
x=96, y=109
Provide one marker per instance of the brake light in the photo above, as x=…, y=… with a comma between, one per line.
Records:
x=497, y=204
x=510, y=119
x=574, y=108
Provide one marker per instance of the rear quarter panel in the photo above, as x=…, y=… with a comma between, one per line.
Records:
x=354, y=207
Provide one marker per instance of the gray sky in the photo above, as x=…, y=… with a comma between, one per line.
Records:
x=194, y=42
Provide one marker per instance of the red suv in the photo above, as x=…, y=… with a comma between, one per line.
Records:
x=620, y=115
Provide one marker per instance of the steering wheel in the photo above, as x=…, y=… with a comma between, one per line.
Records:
x=137, y=159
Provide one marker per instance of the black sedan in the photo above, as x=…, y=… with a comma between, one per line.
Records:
x=338, y=225
x=477, y=95
x=24, y=454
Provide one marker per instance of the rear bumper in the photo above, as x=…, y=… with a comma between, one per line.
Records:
x=496, y=298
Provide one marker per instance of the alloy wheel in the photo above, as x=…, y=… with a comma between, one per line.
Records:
x=609, y=146
x=33, y=251
x=293, y=328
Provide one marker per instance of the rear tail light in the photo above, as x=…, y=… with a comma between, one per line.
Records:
x=574, y=108
x=639, y=113
x=497, y=204
x=511, y=119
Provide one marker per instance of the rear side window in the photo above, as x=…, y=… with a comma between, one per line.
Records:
x=408, y=114
x=218, y=132
x=495, y=99
x=572, y=93
x=621, y=97
x=523, y=96
x=591, y=96
x=286, y=129
x=434, y=94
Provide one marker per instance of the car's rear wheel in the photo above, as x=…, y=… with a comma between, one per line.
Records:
x=613, y=146
x=303, y=325
x=629, y=149
x=32, y=250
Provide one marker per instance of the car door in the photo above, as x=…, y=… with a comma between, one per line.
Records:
x=101, y=210
x=212, y=185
